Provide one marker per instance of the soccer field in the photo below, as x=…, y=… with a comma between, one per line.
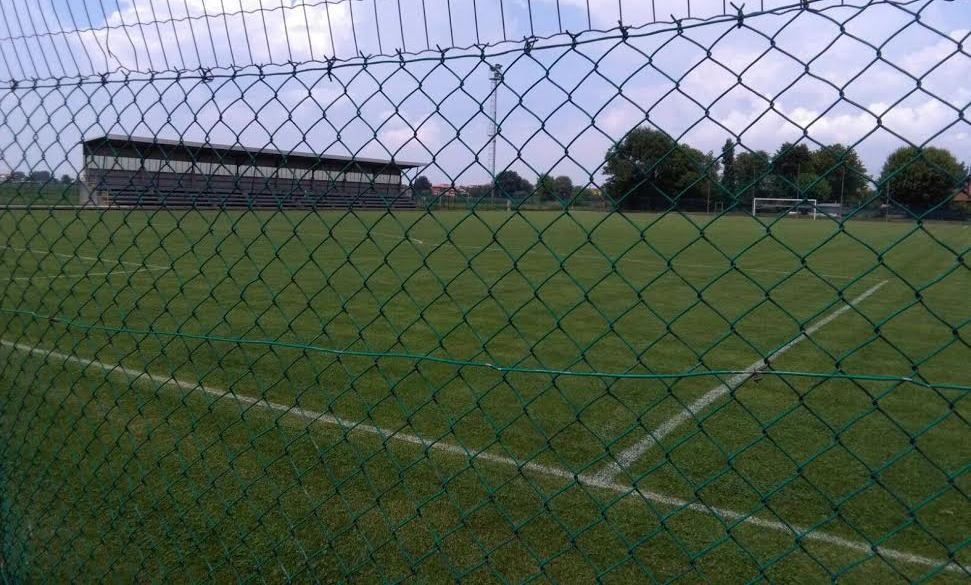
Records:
x=483, y=395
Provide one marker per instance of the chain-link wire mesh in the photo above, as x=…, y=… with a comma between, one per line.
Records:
x=668, y=291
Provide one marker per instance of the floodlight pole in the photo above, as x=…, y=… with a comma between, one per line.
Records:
x=496, y=79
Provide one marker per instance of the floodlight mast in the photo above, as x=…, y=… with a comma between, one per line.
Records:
x=496, y=79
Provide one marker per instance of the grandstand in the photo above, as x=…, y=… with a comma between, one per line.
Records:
x=125, y=171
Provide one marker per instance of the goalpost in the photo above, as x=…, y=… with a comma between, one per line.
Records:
x=783, y=205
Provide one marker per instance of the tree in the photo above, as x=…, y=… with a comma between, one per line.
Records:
x=18, y=176
x=752, y=177
x=729, y=180
x=843, y=170
x=511, y=186
x=812, y=186
x=790, y=161
x=563, y=188
x=921, y=178
x=649, y=170
x=422, y=185
x=554, y=189
x=479, y=191
x=545, y=187
x=67, y=180
x=40, y=176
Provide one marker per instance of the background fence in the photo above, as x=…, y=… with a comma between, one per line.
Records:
x=557, y=345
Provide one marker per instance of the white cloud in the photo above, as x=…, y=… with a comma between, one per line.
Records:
x=146, y=35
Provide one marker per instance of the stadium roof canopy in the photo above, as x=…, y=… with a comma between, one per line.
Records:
x=183, y=149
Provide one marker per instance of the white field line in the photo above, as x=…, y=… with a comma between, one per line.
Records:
x=80, y=257
x=741, y=269
x=397, y=237
x=349, y=426
x=79, y=275
x=631, y=454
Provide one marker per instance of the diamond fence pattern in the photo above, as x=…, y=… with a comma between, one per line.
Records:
x=244, y=339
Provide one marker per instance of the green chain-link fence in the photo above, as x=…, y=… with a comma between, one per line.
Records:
x=669, y=291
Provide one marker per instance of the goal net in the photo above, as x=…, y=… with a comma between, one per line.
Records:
x=831, y=210
x=782, y=206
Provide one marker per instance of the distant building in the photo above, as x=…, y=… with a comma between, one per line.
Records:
x=124, y=171
x=963, y=197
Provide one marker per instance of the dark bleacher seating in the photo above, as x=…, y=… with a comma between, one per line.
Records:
x=169, y=190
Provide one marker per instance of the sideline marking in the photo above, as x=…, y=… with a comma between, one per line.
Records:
x=89, y=258
x=348, y=426
x=631, y=454
x=79, y=275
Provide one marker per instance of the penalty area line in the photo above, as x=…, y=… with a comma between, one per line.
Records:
x=630, y=455
x=800, y=534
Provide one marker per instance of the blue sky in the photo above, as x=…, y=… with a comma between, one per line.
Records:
x=703, y=85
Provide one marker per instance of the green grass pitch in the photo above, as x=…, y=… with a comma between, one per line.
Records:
x=482, y=396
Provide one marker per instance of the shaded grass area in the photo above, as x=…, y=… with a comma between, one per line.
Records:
x=114, y=476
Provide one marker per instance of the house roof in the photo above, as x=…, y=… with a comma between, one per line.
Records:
x=964, y=195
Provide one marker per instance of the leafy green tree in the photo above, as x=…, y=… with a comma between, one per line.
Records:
x=921, y=178
x=649, y=170
x=545, y=188
x=843, y=170
x=752, y=177
x=67, y=180
x=789, y=162
x=422, y=185
x=40, y=176
x=729, y=179
x=479, y=191
x=563, y=188
x=812, y=186
x=511, y=186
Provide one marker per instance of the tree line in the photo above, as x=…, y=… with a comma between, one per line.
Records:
x=43, y=177
x=649, y=170
x=510, y=185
